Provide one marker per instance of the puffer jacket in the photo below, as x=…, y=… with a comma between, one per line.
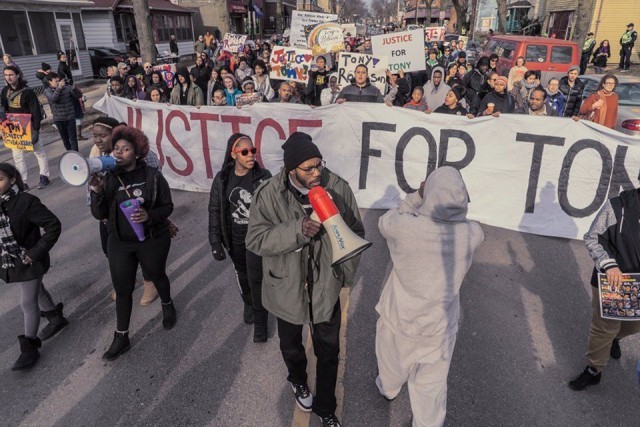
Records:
x=366, y=93
x=275, y=234
x=62, y=102
x=573, y=96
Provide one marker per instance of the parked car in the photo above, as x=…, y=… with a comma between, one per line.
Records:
x=628, y=91
x=104, y=57
x=551, y=57
x=474, y=50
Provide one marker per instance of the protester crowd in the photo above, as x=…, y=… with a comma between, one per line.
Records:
x=265, y=223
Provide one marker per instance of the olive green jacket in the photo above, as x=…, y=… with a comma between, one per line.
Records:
x=275, y=233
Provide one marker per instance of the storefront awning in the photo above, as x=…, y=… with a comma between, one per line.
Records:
x=234, y=8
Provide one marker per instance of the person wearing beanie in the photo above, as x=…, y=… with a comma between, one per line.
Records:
x=185, y=92
x=229, y=210
x=462, y=59
x=572, y=87
x=497, y=102
x=452, y=103
x=300, y=285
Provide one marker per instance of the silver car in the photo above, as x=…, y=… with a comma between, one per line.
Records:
x=628, y=91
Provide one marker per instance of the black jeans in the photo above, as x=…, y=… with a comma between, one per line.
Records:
x=248, y=268
x=104, y=238
x=326, y=347
x=584, y=62
x=625, y=58
x=67, y=130
x=123, y=262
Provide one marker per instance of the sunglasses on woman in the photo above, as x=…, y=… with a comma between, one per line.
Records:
x=245, y=151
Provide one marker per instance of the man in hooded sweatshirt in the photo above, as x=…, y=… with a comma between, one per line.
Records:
x=435, y=90
x=361, y=89
x=420, y=304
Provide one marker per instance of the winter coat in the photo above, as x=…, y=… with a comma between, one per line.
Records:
x=27, y=215
x=573, y=96
x=275, y=234
x=62, y=101
x=155, y=192
x=557, y=102
x=231, y=96
x=219, y=213
x=503, y=103
x=194, y=95
x=613, y=238
x=29, y=104
x=403, y=92
x=600, y=56
x=64, y=71
x=431, y=244
x=366, y=93
x=201, y=75
x=435, y=96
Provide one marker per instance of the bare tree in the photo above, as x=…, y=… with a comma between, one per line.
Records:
x=145, y=32
x=583, y=22
x=349, y=8
x=502, y=15
x=279, y=23
x=461, y=7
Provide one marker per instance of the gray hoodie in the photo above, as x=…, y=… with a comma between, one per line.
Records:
x=431, y=243
x=435, y=96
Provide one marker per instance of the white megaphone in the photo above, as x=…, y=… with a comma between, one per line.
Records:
x=345, y=244
x=75, y=170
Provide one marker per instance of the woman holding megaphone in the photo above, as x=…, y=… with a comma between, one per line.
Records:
x=136, y=201
x=229, y=204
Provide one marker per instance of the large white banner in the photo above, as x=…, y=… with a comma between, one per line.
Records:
x=544, y=175
x=404, y=51
x=301, y=19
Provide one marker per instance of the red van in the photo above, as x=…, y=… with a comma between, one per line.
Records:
x=552, y=57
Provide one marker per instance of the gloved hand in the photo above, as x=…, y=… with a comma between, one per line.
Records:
x=218, y=252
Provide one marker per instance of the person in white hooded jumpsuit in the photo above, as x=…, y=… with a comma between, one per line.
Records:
x=431, y=243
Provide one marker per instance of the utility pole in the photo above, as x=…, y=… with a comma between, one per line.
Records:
x=279, y=23
x=145, y=31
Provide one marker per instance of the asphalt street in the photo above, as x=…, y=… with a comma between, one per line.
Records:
x=523, y=334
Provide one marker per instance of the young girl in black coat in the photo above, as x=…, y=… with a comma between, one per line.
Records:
x=229, y=204
x=133, y=179
x=24, y=255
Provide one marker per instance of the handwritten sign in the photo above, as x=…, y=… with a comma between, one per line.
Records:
x=432, y=34
x=349, y=28
x=16, y=132
x=290, y=63
x=377, y=66
x=243, y=99
x=233, y=43
x=301, y=19
x=168, y=72
x=404, y=50
x=326, y=38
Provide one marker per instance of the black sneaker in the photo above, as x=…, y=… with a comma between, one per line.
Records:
x=303, y=396
x=330, y=421
x=615, y=352
x=588, y=377
x=44, y=181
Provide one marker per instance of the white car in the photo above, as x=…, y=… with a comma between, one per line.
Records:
x=628, y=91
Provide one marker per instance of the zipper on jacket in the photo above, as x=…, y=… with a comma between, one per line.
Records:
x=622, y=219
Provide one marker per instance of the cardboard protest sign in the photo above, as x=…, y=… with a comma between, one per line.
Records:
x=301, y=19
x=620, y=302
x=168, y=72
x=16, y=132
x=377, y=66
x=290, y=63
x=243, y=99
x=405, y=50
x=432, y=34
x=325, y=38
x=349, y=29
x=233, y=43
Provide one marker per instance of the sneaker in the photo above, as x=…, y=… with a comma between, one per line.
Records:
x=26, y=187
x=615, y=352
x=303, y=396
x=588, y=377
x=44, y=181
x=330, y=421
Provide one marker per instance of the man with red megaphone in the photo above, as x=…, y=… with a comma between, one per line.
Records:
x=300, y=284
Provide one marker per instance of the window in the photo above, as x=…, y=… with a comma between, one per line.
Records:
x=45, y=34
x=165, y=25
x=15, y=33
x=118, y=24
x=506, y=50
x=77, y=24
x=63, y=15
x=536, y=53
x=561, y=54
x=491, y=46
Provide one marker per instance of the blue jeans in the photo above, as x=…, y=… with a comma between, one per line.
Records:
x=68, y=134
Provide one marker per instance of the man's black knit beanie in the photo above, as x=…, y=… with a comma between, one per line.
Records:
x=298, y=149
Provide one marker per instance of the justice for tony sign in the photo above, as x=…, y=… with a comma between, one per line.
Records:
x=405, y=50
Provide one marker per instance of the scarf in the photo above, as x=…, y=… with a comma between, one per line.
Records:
x=526, y=88
x=9, y=247
x=550, y=93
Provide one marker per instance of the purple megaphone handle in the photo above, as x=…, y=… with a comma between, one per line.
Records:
x=128, y=207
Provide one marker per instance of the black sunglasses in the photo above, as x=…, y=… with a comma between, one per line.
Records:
x=245, y=151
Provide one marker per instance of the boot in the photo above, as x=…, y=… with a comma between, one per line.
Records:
x=57, y=322
x=118, y=347
x=260, y=329
x=79, y=132
x=29, y=353
x=169, y=315
x=149, y=294
x=248, y=309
